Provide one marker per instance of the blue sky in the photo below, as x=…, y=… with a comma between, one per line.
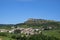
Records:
x=17, y=11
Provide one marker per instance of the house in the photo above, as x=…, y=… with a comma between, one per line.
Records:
x=28, y=31
x=11, y=31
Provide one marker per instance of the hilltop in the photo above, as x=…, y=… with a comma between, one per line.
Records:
x=40, y=23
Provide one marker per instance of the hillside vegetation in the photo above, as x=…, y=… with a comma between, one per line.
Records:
x=40, y=23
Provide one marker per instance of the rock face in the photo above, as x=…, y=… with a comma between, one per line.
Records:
x=36, y=21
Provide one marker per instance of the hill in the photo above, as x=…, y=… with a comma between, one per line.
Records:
x=6, y=26
x=40, y=23
x=35, y=23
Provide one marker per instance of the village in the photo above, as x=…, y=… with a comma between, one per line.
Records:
x=27, y=31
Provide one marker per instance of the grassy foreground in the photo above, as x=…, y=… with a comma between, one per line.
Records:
x=54, y=33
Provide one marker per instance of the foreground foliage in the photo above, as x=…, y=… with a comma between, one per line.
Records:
x=34, y=37
x=8, y=36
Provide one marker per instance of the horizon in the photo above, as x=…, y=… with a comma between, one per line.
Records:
x=18, y=11
x=29, y=19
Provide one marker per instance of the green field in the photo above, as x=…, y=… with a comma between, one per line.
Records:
x=5, y=38
x=54, y=33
